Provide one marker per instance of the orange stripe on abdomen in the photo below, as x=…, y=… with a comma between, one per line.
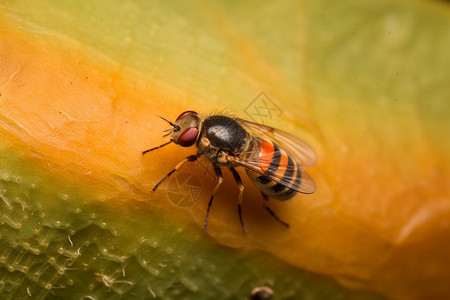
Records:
x=265, y=154
x=282, y=165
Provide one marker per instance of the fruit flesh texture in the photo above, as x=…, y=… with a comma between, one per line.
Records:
x=357, y=225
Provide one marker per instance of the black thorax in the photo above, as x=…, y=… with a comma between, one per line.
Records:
x=224, y=133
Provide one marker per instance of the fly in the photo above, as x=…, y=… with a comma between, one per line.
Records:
x=273, y=159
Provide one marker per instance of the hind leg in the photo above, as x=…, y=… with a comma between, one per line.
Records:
x=271, y=212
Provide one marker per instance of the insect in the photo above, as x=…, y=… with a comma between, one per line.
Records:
x=273, y=159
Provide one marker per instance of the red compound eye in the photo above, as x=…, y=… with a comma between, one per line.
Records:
x=188, y=137
x=185, y=113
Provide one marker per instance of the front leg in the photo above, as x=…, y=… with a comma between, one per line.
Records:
x=180, y=164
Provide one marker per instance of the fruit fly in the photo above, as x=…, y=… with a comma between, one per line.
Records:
x=273, y=159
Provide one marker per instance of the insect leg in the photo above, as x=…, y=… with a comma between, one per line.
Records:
x=241, y=194
x=189, y=158
x=266, y=201
x=219, y=182
x=165, y=144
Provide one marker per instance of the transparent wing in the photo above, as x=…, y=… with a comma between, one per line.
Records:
x=284, y=165
x=303, y=183
x=299, y=150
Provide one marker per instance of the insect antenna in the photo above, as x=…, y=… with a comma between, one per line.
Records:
x=169, y=133
x=173, y=125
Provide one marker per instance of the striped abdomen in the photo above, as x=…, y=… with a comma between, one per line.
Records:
x=282, y=175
